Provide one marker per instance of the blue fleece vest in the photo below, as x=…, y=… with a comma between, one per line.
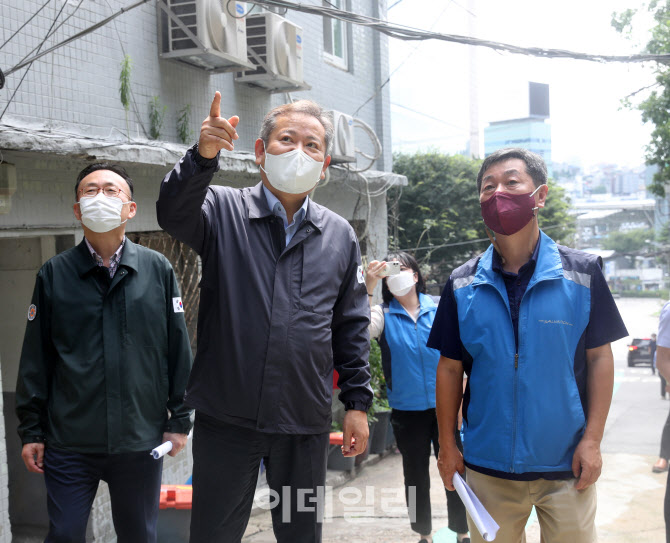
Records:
x=524, y=408
x=409, y=365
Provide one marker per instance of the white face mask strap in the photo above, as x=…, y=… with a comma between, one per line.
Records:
x=533, y=194
x=538, y=188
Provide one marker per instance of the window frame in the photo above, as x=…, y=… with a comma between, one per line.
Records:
x=329, y=36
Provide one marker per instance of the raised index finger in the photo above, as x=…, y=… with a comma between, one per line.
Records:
x=215, y=108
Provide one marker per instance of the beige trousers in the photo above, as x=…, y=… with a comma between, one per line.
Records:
x=565, y=515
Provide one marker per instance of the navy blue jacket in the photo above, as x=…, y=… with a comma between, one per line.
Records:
x=274, y=320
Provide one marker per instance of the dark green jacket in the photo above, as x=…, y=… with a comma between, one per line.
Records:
x=104, y=361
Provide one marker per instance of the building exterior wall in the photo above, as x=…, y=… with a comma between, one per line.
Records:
x=76, y=88
x=67, y=113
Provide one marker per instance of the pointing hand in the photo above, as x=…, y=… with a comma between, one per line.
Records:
x=217, y=132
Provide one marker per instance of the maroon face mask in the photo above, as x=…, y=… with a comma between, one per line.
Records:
x=506, y=213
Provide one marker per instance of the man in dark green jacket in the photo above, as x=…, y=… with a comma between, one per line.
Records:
x=104, y=365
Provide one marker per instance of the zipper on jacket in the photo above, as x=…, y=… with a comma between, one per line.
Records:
x=516, y=386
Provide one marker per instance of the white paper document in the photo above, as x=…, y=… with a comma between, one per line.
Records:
x=480, y=516
x=161, y=450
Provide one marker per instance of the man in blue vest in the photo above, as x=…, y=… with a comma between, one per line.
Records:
x=530, y=322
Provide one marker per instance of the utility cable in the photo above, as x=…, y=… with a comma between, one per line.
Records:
x=388, y=79
x=75, y=36
x=468, y=242
x=132, y=94
x=54, y=30
x=427, y=116
x=403, y=32
x=24, y=24
x=30, y=65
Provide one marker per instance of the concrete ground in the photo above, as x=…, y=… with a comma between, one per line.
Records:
x=630, y=496
x=630, y=505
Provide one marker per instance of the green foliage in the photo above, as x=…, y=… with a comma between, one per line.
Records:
x=156, y=117
x=664, y=234
x=440, y=206
x=183, y=124
x=377, y=382
x=555, y=219
x=124, y=82
x=630, y=241
x=622, y=22
x=655, y=108
x=124, y=87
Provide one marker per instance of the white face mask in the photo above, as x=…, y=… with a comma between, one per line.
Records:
x=400, y=284
x=294, y=172
x=101, y=213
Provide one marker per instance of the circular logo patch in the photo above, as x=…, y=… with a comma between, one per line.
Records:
x=32, y=312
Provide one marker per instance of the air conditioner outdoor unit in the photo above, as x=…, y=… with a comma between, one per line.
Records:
x=343, y=148
x=274, y=46
x=209, y=34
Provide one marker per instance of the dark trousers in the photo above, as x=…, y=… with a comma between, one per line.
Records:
x=72, y=480
x=414, y=432
x=226, y=459
x=663, y=384
x=665, y=440
x=666, y=509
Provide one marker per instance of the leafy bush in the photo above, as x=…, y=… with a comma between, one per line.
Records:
x=380, y=400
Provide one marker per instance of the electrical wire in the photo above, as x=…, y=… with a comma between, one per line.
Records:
x=428, y=116
x=54, y=30
x=375, y=142
x=24, y=24
x=411, y=53
x=240, y=16
x=30, y=65
x=408, y=33
x=75, y=37
x=132, y=94
x=468, y=242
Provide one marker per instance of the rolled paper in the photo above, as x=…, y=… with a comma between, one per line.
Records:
x=161, y=450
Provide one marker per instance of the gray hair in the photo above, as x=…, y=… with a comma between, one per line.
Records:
x=535, y=166
x=306, y=107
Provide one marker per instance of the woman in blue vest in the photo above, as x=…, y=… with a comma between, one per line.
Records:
x=401, y=325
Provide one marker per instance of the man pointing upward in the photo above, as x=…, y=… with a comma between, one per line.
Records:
x=282, y=304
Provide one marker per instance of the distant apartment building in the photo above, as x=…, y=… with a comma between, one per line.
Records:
x=532, y=132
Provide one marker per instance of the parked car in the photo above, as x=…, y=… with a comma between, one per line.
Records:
x=639, y=351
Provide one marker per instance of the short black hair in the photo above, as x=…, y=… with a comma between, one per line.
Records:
x=535, y=165
x=118, y=170
x=410, y=262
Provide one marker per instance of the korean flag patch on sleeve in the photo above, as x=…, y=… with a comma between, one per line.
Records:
x=360, y=274
x=177, y=305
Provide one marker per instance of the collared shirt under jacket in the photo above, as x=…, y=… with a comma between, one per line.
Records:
x=104, y=360
x=274, y=319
